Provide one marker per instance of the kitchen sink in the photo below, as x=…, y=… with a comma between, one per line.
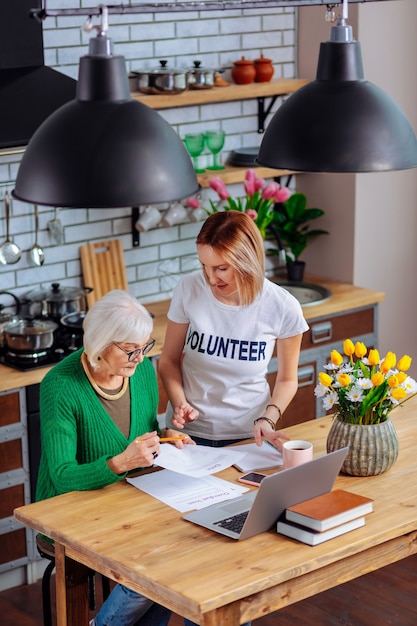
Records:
x=307, y=294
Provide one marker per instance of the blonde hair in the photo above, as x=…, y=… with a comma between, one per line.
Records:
x=116, y=318
x=235, y=236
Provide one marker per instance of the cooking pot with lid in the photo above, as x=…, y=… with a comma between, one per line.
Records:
x=201, y=77
x=163, y=80
x=6, y=317
x=29, y=336
x=55, y=302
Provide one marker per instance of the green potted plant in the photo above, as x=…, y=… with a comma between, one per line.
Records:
x=291, y=221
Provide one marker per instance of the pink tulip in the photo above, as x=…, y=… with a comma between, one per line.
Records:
x=251, y=213
x=193, y=203
x=282, y=194
x=219, y=187
x=270, y=191
x=259, y=183
x=249, y=183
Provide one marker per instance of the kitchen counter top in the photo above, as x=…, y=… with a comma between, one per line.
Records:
x=345, y=297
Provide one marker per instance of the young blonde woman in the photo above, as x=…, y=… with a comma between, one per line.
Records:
x=225, y=321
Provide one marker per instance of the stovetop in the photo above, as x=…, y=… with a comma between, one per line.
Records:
x=26, y=364
x=65, y=342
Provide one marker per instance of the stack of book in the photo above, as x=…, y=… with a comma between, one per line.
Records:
x=324, y=517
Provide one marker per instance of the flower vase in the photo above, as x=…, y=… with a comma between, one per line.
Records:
x=373, y=449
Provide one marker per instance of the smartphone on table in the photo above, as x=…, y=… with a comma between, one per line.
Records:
x=252, y=478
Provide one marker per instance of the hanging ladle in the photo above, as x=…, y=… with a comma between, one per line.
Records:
x=37, y=255
x=9, y=251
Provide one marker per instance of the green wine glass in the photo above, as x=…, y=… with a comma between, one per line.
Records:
x=215, y=141
x=194, y=142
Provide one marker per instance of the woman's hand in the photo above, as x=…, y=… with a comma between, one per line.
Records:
x=263, y=430
x=142, y=452
x=178, y=443
x=183, y=414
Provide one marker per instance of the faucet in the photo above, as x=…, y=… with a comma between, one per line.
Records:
x=282, y=255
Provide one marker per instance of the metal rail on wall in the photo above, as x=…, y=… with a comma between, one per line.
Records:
x=43, y=12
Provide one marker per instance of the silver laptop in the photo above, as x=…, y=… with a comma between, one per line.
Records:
x=257, y=511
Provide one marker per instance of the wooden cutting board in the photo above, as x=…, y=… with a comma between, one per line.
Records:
x=103, y=267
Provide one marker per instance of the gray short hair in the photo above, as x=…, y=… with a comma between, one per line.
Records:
x=116, y=317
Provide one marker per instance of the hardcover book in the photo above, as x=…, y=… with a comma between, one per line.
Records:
x=329, y=510
x=314, y=537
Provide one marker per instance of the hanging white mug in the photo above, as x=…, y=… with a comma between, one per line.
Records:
x=176, y=214
x=149, y=218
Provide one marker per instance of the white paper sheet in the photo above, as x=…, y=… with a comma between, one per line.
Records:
x=197, y=460
x=186, y=493
x=258, y=457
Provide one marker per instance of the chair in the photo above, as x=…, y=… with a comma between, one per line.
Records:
x=47, y=551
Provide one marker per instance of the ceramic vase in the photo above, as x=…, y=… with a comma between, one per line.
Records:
x=373, y=449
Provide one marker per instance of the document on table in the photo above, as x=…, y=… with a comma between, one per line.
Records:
x=258, y=457
x=197, y=461
x=185, y=493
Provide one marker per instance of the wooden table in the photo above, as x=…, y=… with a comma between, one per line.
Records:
x=136, y=540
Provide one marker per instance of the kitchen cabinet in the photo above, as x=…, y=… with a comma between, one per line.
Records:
x=326, y=333
x=16, y=542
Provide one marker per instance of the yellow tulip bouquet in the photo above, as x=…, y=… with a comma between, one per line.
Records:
x=363, y=388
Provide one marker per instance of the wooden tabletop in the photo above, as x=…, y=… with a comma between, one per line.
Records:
x=135, y=539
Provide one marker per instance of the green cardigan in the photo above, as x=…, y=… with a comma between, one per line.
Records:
x=78, y=435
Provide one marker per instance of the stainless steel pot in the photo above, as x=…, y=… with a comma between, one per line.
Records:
x=55, y=302
x=163, y=80
x=29, y=336
x=6, y=317
x=201, y=77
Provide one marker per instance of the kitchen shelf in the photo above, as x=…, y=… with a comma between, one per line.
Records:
x=278, y=87
x=233, y=174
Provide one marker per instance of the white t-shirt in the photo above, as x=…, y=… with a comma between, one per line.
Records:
x=226, y=354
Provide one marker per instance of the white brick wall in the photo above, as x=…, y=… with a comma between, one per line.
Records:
x=215, y=38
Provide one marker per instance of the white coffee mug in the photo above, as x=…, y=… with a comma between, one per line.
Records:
x=149, y=218
x=176, y=214
x=197, y=215
x=296, y=452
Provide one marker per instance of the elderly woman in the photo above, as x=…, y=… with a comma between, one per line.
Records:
x=94, y=405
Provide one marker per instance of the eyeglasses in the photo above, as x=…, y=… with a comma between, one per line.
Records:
x=133, y=354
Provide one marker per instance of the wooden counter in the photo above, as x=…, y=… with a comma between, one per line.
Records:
x=345, y=297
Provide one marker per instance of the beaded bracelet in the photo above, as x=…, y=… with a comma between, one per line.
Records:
x=277, y=408
x=270, y=422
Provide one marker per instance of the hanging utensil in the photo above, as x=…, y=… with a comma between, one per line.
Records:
x=56, y=228
x=9, y=251
x=36, y=253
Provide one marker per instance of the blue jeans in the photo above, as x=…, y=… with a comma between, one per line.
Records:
x=125, y=607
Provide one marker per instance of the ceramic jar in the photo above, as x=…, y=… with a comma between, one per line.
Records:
x=264, y=70
x=243, y=72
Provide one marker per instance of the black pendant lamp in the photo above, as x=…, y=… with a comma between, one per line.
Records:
x=339, y=122
x=104, y=149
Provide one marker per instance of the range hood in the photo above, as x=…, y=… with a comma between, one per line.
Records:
x=29, y=91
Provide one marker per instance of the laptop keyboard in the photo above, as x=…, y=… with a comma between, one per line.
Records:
x=234, y=523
